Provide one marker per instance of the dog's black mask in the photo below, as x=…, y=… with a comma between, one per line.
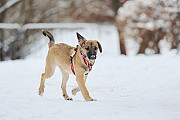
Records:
x=91, y=54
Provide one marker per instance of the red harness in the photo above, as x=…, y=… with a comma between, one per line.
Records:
x=85, y=61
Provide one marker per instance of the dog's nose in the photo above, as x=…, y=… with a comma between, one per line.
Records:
x=93, y=57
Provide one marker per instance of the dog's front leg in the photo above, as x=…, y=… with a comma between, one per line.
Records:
x=75, y=90
x=81, y=83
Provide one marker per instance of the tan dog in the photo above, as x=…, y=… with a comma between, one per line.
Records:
x=81, y=63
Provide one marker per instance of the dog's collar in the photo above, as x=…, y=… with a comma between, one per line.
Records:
x=85, y=61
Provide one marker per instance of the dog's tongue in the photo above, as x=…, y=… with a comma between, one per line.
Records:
x=92, y=62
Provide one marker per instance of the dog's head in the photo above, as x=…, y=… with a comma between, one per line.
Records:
x=89, y=47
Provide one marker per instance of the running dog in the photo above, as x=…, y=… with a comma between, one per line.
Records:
x=71, y=60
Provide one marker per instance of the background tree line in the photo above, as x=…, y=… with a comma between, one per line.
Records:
x=163, y=15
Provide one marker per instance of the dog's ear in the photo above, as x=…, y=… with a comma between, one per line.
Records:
x=81, y=39
x=99, y=45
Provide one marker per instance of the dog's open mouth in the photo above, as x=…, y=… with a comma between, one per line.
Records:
x=92, y=61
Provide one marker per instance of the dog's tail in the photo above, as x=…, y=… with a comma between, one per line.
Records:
x=49, y=35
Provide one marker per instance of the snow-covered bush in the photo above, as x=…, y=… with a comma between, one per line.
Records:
x=148, y=21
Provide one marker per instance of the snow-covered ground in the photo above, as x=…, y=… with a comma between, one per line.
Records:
x=127, y=88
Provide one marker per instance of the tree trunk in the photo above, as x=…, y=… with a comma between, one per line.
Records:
x=1, y=45
x=2, y=15
x=122, y=43
x=142, y=48
x=115, y=6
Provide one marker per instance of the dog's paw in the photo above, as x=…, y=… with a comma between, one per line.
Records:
x=90, y=99
x=74, y=91
x=68, y=98
x=93, y=100
x=41, y=91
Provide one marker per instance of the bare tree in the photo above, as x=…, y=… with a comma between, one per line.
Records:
x=2, y=2
x=116, y=4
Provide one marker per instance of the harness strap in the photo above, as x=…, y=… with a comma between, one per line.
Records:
x=85, y=61
x=72, y=68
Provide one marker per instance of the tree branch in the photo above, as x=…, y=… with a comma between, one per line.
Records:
x=8, y=5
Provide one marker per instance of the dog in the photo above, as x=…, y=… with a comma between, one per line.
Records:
x=71, y=60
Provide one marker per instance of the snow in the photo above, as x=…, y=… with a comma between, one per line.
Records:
x=127, y=88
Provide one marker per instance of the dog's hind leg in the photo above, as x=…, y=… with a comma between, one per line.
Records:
x=75, y=90
x=49, y=71
x=65, y=77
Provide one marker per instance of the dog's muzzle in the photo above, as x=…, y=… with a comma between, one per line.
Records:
x=92, y=57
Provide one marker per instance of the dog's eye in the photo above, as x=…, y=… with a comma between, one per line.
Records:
x=95, y=48
x=87, y=48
